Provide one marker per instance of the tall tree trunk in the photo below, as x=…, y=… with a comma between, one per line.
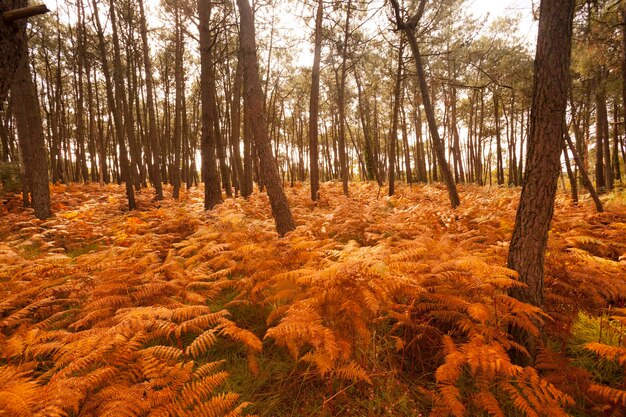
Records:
x=499, y=161
x=601, y=137
x=393, y=134
x=583, y=172
x=314, y=104
x=235, y=130
x=409, y=29
x=152, y=128
x=341, y=101
x=30, y=131
x=545, y=143
x=212, y=191
x=178, y=103
x=254, y=103
x=617, y=175
x=114, y=101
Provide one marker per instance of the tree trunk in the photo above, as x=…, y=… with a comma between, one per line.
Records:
x=178, y=103
x=212, y=191
x=114, y=102
x=393, y=134
x=409, y=29
x=254, y=103
x=314, y=106
x=152, y=128
x=534, y=214
x=601, y=138
x=30, y=131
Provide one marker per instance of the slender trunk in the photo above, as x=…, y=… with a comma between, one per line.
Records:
x=178, y=103
x=314, y=106
x=114, y=102
x=409, y=29
x=212, y=192
x=152, y=128
x=393, y=134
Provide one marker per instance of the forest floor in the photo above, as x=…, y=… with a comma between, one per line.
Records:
x=373, y=306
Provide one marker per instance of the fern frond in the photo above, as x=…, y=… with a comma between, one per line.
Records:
x=230, y=329
x=208, y=368
x=611, y=353
x=352, y=372
x=486, y=401
x=169, y=353
x=613, y=395
x=201, y=344
x=197, y=391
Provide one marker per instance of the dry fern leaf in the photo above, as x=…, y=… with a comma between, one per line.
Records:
x=230, y=329
x=201, y=344
x=197, y=391
x=352, y=372
x=613, y=395
x=169, y=353
x=217, y=406
x=612, y=353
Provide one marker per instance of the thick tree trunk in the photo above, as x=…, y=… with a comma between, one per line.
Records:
x=30, y=131
x=10, y=45
x=534, y=214
x=254, y=103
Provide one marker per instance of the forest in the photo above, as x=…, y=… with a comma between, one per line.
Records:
x=313, y=208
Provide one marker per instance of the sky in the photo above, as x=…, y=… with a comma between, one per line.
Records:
x=495, y=8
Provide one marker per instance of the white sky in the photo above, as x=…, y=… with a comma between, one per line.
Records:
x=496, y=8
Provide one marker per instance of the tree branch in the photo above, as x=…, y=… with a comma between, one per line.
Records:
x=24, y=13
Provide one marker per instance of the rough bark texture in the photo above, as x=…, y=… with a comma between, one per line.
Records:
x=534, y=214
x=254, y=102
x=212, y=191
x=30, y=131
x=10, y=45
x=314, y=105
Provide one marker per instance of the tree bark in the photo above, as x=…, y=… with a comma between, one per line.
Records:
x=409, y=29
x=30, y=131
x=393, y=134
x=114, y=102
x=152, y=128
x=254, y=102
x=314, y=105
x=534, y=214
x=212, y=191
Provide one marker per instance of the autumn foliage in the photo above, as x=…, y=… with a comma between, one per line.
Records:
x=113, y=313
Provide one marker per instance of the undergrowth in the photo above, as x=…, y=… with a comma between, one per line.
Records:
x=371, y=307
